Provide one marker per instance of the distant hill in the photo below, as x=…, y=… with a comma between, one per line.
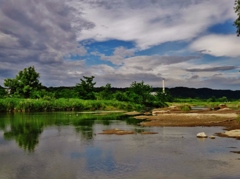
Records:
x=202, y=93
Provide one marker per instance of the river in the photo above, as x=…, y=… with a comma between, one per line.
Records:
x=67, y=145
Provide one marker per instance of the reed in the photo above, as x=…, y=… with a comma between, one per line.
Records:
x=62, y=104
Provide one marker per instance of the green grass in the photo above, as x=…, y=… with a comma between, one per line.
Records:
x=62, y=104
x=232, y=104
x=185, y=108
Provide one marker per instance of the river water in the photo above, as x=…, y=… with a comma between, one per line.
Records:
x=69, y=146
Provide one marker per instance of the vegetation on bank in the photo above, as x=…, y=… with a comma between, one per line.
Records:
x=27, y=105
x=26, y=93
x=182, y=105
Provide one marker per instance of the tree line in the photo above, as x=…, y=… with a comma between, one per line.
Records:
x=26, y=84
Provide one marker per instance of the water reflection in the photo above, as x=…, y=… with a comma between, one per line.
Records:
x=25, y=133
x=26, y=128
x=68, y=145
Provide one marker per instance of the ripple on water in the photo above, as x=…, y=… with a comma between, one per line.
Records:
x=71, y=152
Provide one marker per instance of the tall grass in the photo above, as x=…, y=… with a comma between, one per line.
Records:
x=62, y=104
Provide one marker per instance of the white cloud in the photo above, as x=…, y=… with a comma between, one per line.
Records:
x=45, y=33
x=153, y=24
x=218, y=45
x=118, y=56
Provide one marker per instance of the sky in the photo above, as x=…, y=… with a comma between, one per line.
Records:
x=190, y=43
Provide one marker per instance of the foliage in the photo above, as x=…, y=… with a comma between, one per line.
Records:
x=3, y=92
x=66, y=93
x=185, y=108
x=212, y=99
x=25, y=83
x=42, y=94
x=105, y=93
x=167, y=97
x=85, y=89
x=139, y=92
x=237, y=21
x=121, y=96
x=26, y=105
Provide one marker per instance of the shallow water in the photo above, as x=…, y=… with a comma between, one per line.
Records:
x=67, y=145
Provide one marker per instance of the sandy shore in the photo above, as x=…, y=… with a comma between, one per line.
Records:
x=227, y=119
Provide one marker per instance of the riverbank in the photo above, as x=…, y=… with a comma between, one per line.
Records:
x=190, y=119
x=167, y=117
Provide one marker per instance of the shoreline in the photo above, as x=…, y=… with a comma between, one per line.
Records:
x=227, y=119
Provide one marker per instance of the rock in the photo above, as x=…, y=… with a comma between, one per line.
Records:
x=201, y=135
x=212, y=137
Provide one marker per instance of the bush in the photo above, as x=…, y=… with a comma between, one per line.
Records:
x=185, y=108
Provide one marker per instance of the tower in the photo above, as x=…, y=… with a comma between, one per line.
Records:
x=163, y=86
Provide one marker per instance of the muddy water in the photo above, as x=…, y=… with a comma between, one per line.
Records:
x=67, y=145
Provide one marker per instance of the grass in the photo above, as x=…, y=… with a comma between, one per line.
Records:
x=232, y=104
x=62, y=104
x=185, y=108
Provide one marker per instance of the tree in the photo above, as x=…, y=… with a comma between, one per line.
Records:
x=237, y=21
x=85, y=89
x=105, y=92
x=140, y=92
x=164, y=96
x=25, y=83
x=3, y=92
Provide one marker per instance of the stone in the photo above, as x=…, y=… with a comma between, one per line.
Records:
x=201, y=135
x=212, y=137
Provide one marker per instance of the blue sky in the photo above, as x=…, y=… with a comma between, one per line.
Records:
x=189, y=43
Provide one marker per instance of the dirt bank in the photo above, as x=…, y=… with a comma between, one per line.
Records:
x=225, y=118
x=191, y=119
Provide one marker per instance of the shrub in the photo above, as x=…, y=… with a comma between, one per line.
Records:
x=185, y=108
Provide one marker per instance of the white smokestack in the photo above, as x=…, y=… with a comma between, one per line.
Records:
x=163, y=86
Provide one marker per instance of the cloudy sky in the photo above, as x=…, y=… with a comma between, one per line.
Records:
x=190, y=43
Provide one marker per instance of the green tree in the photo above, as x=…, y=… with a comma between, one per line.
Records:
x=237, y=21
x=140, y=92
x=212, y=99
x=105, y=92
x=164, y=96
x=85, y=89
x=222, y=99
x=3, y=92
x=25, y=83
x=121, y=96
